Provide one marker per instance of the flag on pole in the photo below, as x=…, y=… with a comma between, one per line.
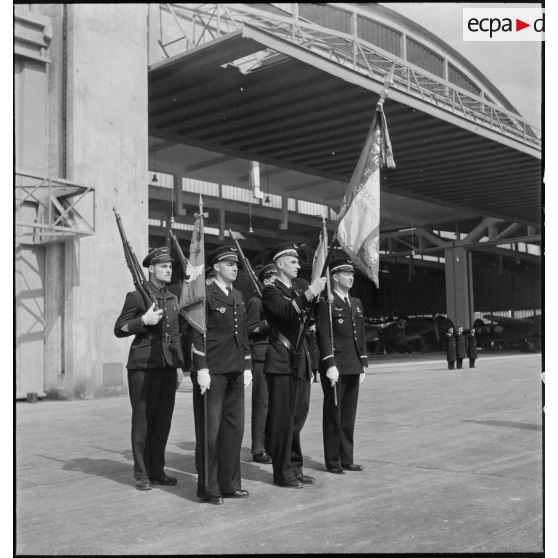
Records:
x=358, y=230
x=192, y=297
x=320, y=254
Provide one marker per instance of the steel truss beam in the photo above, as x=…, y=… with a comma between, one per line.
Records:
x=198, y=24
x=46, y=209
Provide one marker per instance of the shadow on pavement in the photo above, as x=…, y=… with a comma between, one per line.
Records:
x=508, y=424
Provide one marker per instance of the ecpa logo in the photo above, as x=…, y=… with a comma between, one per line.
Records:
x=503, y=24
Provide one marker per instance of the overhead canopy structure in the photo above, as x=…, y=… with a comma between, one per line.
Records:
x=255, y=83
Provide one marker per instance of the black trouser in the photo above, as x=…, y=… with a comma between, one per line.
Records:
x=472, y=362
x=259, y=408
x=289, y=402
x=338, y=422
x=459, y=362
x=451, y=364
x=225, y=428
x=152, y=394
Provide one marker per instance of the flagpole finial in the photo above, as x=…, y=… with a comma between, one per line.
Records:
x=387, y=84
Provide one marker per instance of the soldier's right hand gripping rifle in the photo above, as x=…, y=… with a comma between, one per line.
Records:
x=140, y=282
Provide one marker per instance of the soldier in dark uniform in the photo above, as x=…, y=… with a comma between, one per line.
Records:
x=450, y=348
x=155, y=355
x=221, y=370
x=460, y=347
x=341, y=367
x=258, y=332
x=472, y=348
x=288, y=374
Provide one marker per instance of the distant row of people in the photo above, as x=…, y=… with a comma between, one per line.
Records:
x=460, y=346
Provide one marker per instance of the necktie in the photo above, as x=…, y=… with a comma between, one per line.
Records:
x=346, y=299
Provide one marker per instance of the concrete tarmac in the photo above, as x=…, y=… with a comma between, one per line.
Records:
x=453, y=463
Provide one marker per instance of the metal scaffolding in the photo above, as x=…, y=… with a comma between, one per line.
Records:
x=46, y=209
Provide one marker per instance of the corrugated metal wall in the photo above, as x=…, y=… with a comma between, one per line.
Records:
x=379, y=35
x=326, y=16
x=458, y=78
x=424, y=58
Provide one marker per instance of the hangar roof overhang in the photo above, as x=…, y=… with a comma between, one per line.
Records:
x=308, y=114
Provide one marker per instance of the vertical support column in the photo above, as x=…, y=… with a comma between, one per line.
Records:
x=221, y=224
x=107, y=149
x=284, y=224
x=459, y=286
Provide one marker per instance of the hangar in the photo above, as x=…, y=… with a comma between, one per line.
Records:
x=147, y=106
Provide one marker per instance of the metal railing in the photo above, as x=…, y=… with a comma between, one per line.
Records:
x=196, y=24
x=46, y=209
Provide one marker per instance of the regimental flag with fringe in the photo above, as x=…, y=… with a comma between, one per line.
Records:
x=192, y=297
x=358, y=230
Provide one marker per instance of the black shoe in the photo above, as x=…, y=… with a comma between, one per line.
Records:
x=167, y=480
x=237, y=494
x=305, y=479
x=216, y=500
x=143, y=485
x=353, y=467
x=263, y=457
x=294, y=483
x=337, y=470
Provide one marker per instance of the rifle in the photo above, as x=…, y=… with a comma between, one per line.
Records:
x=180, y=254
x=140, y=282
x=247, y=266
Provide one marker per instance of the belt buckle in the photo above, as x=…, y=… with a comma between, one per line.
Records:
x=167, y=338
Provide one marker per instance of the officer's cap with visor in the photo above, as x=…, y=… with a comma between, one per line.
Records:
x=266, y=271
x=287, y=249
x=222, y=254
x=341, y=264
x=156, y=256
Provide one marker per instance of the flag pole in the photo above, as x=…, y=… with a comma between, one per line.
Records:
x=306, y=323
x=329, y=307
x=205, y=395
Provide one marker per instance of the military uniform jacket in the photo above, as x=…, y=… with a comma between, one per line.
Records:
x=460, y=344
x=156, y=346
x=348, y=352
x=284, y=312
x=226, y=348
x=450, y=347
x=471, y=346
x=258, y=329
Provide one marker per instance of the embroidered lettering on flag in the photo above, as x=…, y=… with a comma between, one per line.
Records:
x=358, y=231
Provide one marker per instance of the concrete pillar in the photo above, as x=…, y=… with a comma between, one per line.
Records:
x=107, y=149
x=459, y=286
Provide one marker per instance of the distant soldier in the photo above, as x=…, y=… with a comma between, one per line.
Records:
x=472, y=348
x=288, y=374
x=222, y=368
x=341, y=367
x=258, y=333
x=450, y=348
x=155, y=355
x=460, y=346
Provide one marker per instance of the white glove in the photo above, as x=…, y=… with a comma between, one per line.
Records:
x=247, y=378
x=333, y=374
x=317, y=286
x=361, y=379
x=204, y=380
x=152, y=317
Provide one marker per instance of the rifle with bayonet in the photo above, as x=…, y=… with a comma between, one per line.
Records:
x=140, y=282
x=247, y=266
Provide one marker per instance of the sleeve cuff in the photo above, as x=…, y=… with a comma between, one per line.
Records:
x=136, y=325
